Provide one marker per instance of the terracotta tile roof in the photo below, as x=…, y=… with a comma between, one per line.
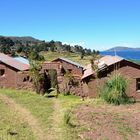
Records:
x=13, y=62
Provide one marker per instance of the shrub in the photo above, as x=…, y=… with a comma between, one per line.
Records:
x=37, y=77
x=114, y=90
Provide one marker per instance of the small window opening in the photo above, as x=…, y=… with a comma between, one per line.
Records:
x=138, y=84
x=26, y=79
x=70, y=70
x=2, y=72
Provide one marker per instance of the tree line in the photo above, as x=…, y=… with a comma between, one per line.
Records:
x=26, y=48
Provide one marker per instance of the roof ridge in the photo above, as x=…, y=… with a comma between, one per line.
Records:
x=70, y=61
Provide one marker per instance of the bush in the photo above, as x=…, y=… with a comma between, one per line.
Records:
x=114, y=90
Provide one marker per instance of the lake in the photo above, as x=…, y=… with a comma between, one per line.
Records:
x=134, y=55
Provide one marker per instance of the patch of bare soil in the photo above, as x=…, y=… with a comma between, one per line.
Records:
x=25, y=115
x=107, y=122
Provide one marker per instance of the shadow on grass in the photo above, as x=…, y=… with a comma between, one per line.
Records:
x=50, y=96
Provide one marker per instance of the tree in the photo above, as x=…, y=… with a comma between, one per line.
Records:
x=88, y=51
x=52, y=46
x=5, y=45
x=6, y=41
x=37, y=76
x=19, y=49
x=67, y=48
x=82, y=54
x=36, y=56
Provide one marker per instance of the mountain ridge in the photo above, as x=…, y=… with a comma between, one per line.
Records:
x=122, y=48
x=22, y=38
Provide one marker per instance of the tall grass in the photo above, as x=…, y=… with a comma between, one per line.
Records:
x=114, y=90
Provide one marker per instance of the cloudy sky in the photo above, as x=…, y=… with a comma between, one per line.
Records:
x=95, y=24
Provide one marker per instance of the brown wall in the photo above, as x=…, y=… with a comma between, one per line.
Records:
x=9, y=78
x=13, y=78
x=75, y=70
x=58, y=65
x=24, y=80
x=52, y=65
x=128, y=69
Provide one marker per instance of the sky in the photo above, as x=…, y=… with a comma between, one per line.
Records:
x=95, y=24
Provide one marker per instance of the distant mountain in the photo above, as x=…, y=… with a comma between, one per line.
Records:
x=22, y=39
x=122, y=48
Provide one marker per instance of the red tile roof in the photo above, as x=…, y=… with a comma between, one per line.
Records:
x=13, y=63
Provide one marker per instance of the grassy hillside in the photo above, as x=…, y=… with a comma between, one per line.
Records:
x=49, y=56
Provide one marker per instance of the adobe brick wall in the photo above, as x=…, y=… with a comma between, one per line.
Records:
x=24, y=81
x=74, y=69
x=58, y=65
x=13, y=78
x=51, y=65
x=128, y=69
x=8, y=80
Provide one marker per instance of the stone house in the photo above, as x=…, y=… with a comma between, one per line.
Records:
x=62, y=65
x=75, y=68
x=13, y=73
x=107, y=66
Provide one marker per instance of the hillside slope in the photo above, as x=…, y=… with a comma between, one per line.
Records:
x=23, y=39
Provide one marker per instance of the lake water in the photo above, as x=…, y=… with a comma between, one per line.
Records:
x=135, y=55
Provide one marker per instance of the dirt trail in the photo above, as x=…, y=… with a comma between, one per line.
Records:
x=55, y=132
x=26, y=116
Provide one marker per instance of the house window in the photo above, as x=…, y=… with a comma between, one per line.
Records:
x=2, y=72
x=26, y=79
x=138, y=84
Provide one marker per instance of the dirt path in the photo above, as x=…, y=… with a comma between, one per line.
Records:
x=55, y=132
x=26, y=116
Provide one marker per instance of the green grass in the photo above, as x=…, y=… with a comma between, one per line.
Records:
x=39, y=106
x=49, y=56
x=10, y=122
x=69, y=124
x=43, y=110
